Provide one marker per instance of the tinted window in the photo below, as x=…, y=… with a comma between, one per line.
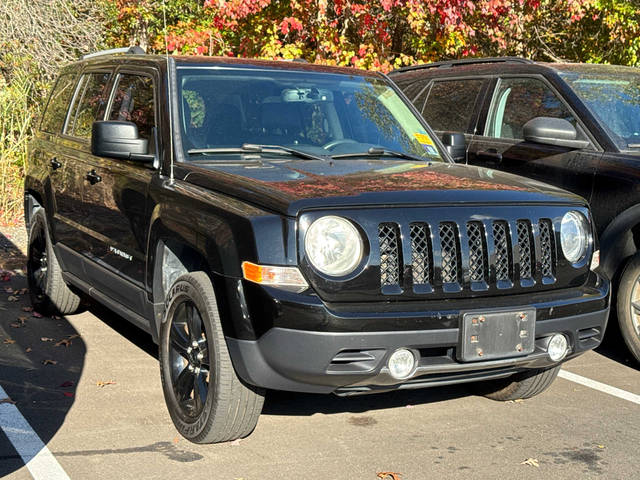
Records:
x=56, y=112
x=322, y=114
x=89, y=104
x=450, y=105
x=518, y=100
x=614, y=99
x=133, y=102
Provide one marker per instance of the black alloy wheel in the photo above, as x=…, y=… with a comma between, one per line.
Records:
x=189, y=359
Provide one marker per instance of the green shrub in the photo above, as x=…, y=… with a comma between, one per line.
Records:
x=17, y=115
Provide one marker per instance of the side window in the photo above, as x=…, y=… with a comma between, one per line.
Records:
x=88, y=105
x=451, y=104
x=133, y=101
x=518, y=100
x=56, y=111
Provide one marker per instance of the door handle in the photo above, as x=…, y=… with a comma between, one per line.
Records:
x=491, y=155
x=93, y=177
x=55, y=164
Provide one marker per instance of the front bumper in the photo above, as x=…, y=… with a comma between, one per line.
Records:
x=355, y=362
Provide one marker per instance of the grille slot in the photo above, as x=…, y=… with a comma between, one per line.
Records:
x=546, y=248
x=501, y=243
x=420, y=253
x=477, y=250
x=524, y=244
x=449, y=245
x=389, y=254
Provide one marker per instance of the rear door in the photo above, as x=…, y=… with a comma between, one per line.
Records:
x=449, y=104
x=89, y=102
x=115, y=200
x=500, y=144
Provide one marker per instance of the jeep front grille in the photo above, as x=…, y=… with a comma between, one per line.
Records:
x=437, y=256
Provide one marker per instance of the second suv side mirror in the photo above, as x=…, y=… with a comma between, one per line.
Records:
x=552, y=131
x=456, y=145
x=117, y=139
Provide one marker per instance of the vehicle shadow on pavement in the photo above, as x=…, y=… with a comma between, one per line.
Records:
x=41, y=358
x=614, y=347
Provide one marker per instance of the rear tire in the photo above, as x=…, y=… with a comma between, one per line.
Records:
x=48, y=291
x=521, y=385
x=628, y=303
x=207, y=401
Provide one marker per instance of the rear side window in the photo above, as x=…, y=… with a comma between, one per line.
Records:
x=451, y=104
x=133, y=101
x=88, y=104
x=56, y=111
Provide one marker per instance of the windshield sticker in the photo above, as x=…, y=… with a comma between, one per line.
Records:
x=423, y=138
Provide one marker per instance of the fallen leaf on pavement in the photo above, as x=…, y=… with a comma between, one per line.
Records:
x=7, y=400
x=101, y=383
x=389, y=475
x=532, y=462
x=65, y=341
x=12, y=298
x=5, y=276
x=8, y=290
x=46, y=339
x=36, y=314
x=22, y=291
x=68, y=394
x=235, y=443
x=28, y=350
x=49, y=362
x=9, y=341
x=600, y=446
x=176, y=439
x=67, y=384
x=71, y=337
x=16, y=324
x=27, y=309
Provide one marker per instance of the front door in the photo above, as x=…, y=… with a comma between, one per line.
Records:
x=515, y=101
x=115, y=199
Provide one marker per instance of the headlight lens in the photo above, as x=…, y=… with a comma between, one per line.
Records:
x=574, y=236
x=333, y=246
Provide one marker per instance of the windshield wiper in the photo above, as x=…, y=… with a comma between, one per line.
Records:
x=257, y=148
x=377, y=152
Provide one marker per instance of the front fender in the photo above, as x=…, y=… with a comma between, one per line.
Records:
x=617, y=242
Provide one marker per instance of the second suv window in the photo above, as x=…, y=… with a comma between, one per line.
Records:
x=88, y=104
x=54, y=115
x=518, y=100
x=451, y=104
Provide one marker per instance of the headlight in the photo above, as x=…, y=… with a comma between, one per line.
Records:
x=333, y=246
x=574, y=236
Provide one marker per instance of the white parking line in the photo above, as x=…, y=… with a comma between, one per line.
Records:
x=603, y=387
x=35, y=454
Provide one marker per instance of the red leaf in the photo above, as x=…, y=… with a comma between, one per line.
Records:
x=67, y=384
x=68, y=394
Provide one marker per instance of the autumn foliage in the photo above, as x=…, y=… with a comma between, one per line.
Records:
x=385, y=34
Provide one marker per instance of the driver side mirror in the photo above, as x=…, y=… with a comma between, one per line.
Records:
x=456, y=144
x=117, y=139
x=552, y=131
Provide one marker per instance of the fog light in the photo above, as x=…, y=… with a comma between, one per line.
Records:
x=557, y=347
x=401, y=363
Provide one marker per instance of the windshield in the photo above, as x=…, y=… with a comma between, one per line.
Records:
x=227, y=111
x=614, y=99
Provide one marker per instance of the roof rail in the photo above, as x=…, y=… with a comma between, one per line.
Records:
x=465, y=61
x=134, y=50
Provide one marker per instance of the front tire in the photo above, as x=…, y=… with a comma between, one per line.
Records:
x=48, y=291
x=628, y=303
x=206, y=400
x=522, y=385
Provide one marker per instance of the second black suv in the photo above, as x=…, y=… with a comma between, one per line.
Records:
x=291, y=226
x=576, y=126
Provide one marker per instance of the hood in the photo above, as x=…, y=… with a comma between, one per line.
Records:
x=289, y=186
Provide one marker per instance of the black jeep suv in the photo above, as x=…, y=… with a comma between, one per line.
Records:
x=576, y=126
x=290, y=226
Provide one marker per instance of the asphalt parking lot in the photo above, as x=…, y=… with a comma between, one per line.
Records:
x=88, y=386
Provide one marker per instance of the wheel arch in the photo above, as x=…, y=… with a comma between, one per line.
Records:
x=620, y=241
